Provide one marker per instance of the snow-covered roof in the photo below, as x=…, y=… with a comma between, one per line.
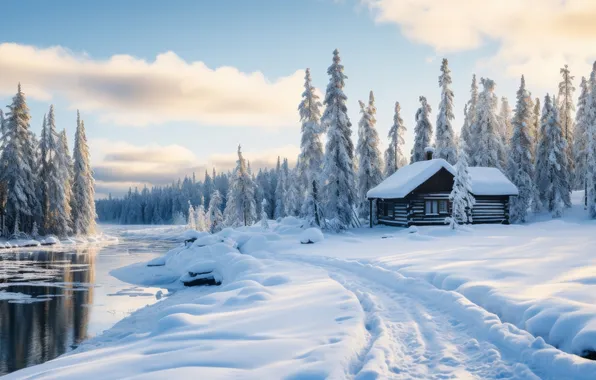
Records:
x=407, y=178
x=485, y=181
x=490, y=181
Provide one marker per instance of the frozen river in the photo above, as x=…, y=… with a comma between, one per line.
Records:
x=50, y=301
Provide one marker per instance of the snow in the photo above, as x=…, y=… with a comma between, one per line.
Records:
x=408, y=178
x=311, y=235
x=490, y=181
x=485, y=181
x=487, y=301
x=258, y=324
x=50, y=240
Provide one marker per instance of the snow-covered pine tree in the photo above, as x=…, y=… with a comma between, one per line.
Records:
x=294, y=198
x=506, y=129
x=208, y=187
x=422, y=132
x=488, y=144
x=240, y=207
x=83, y=191
x=369, y=156
x=17, y=174
x=520, y=169
x=280, y=190
x=591, y=144
x=551, y=166
x=536, y=128
x=55, y=175
x=216, y=219
x=470, y=119
x=200, y=224
x=339, y=188
x=580, y=137
x=66, y=175
x=445, y=143
x=395, y=156
x=462, y=200
x=591, y=168
x=43, y=166
x=191, y=220
x=311, y=151
x=566, y=109
x=264, y=216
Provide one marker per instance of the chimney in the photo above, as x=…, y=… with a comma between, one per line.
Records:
x=429, y=151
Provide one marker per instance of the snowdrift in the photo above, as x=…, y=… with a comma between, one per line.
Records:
x=267, y=320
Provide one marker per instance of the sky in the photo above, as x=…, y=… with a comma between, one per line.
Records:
x=171, y=88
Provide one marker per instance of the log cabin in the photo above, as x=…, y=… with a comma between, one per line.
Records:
x=418, y=194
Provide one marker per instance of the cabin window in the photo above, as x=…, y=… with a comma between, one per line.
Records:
x=443, y=209
x=436, y=207
x=432, y=207
x=386, y=209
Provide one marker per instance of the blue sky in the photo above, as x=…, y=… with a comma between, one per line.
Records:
x=381, y=48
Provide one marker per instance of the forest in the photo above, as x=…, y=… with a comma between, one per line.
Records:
x=44, y=190
x=545, y=147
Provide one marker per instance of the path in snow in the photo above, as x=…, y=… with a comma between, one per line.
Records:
x=412, y=339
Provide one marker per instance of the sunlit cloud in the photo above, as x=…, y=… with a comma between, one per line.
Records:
x=535, y=37
x=134, y=92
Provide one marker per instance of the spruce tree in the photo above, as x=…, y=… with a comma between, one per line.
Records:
x=394, y=155
x=489, y=148
x=202, y=223
x=216, y=219
x=264, y=217
x=536, y=128
x=83, y=192
x=66, y=173
x=339, y=188
x=566, y=109
x=551, y=166
x=55, y=171
x=462, y=200
x=16, y=163
x=43, y=165
x=506, y=129
x=369, y=155
x=445, y=142
x=240, y=206
x=520, y=167
x=311, y=151
x=294, y=198
x=208, y=187
x=470, y=118
x=191, y=220
x=580, y=137
x=280, y=190
x=422, y=132
x=591, y=144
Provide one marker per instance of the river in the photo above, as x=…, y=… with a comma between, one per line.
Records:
x=50, y=301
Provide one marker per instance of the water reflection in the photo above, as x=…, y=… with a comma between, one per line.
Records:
x=45, y=314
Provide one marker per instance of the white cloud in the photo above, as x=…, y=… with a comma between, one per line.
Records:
x=120, y=165
x=130, y=91
x=535, y=37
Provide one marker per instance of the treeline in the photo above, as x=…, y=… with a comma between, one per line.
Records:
x=546, y=151
x=43, y=189
x=162, y=204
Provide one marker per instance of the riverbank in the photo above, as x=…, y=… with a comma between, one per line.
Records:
x=52, y=299
x=483, y=302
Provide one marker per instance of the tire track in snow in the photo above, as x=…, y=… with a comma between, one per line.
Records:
x=526, y=356
x=409, y=340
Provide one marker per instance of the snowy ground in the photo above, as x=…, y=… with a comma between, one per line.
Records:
x=487, y=302
x=53, y=243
